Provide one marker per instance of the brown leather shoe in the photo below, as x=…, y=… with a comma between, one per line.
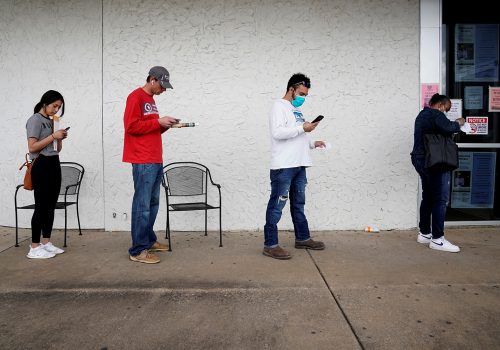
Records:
x=158, y=247
x=310, y=244
x=277, y=253
x=145, y=257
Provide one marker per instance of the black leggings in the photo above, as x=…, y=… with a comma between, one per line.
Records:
x=46, y=177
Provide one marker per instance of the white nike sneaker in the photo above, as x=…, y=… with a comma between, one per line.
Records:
x=52, y=248
x=444, y=245
x=424, y=239
x=39, y=253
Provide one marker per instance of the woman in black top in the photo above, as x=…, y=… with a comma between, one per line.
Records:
x=44, y=145
x=435, y=183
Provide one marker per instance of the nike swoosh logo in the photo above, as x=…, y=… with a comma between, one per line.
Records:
x=437, y=243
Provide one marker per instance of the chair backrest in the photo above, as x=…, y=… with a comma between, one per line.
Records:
x=185, y=178
x=72, y=174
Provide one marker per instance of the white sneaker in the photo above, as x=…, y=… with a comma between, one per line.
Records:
x=52, y=248
x=39, y=253
x=424, y=239
x=444, y=245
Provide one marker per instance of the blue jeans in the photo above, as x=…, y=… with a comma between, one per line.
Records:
x=435, y=197
x=147, y=179
x=286, y=183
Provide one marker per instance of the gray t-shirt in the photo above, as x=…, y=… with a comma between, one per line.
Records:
x=39, y=128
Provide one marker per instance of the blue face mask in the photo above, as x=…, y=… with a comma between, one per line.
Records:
x=298, y=101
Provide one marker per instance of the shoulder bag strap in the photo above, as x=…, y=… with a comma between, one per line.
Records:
x=27, y=161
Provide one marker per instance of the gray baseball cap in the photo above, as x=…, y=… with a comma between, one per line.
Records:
x=162, y=75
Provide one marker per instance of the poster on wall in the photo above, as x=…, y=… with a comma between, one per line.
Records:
x=473, y=97
x=476, y=52
x=473, y=183
x=427, y=91
x=455, y=111
x=478, y=125
x=494, y=99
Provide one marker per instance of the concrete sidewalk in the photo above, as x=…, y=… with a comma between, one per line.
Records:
x=365, y=291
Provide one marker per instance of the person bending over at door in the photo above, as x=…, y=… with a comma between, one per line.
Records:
x=435, y=183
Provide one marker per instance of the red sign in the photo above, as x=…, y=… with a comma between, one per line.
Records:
x=478, y=125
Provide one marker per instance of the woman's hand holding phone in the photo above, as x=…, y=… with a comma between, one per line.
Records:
x=60, y=134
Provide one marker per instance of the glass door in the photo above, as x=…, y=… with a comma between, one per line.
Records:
x=472, y=80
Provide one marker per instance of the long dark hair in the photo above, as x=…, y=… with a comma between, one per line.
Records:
x=49, y=97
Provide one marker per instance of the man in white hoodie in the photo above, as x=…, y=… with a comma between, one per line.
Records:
x=289, y=159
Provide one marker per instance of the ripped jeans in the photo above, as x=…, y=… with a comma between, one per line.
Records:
x=288, y=183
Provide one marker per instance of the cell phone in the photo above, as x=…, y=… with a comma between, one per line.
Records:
x=318, y=118
x=67, y=128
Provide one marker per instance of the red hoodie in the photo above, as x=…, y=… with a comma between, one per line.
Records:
x=142, y=142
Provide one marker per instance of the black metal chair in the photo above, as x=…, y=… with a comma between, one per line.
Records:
x=183, y=182
x=72, y=175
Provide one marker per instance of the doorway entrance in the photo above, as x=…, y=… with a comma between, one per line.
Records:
x=471, y=44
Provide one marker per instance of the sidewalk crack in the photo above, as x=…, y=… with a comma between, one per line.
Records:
x=336, y=301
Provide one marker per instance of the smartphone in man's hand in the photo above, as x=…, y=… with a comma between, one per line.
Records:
x=317, y=119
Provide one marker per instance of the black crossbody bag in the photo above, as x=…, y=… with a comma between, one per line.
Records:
x=441, y=152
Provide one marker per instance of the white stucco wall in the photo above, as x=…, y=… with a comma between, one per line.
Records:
x=228, y=60
x=52, y=45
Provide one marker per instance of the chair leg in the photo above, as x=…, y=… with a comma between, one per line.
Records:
x=220, y=226
x=206, y=222
x=167, y=226
x=65, y=223
x=17, y=234
x=78, y=218
x=168, y=233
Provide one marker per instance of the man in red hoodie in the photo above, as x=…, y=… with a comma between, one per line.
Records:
x=143, y=148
